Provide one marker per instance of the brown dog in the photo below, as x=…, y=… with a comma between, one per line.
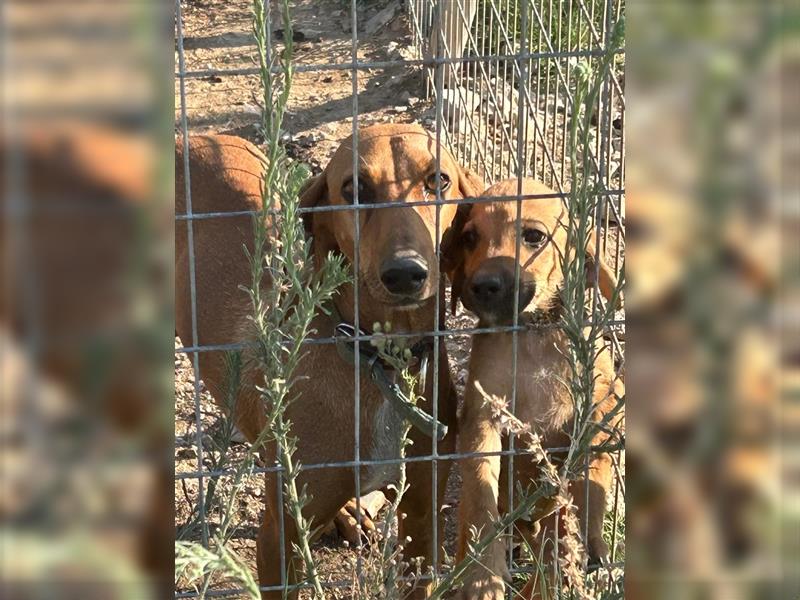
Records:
x=398, y=278
x=479, y=254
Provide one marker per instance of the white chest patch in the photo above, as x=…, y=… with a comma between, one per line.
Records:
x=387, y=427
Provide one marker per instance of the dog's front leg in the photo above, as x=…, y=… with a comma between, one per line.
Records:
x=327, y=489
x=478, y=511
x=591, y=502
x=417, y=504
x=598, y=483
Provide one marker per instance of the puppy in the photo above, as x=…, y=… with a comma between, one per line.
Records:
x=398, y=279
x=479, y=253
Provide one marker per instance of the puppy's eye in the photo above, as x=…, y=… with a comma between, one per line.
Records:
x=347, y=191
x=430, y=182
x=533, y=237
x=469, y=238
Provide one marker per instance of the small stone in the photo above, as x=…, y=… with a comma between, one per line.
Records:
x=400, y=109
x=380, y=18
x=186, y=454
x=253, y=490
x=297, y=36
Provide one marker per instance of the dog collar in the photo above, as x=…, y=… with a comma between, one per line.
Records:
x=372, y=365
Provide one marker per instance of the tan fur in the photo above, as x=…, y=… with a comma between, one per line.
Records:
x=394, y=163
x=542, y=400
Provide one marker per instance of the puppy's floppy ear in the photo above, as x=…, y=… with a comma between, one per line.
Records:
x=470, y=184
x=452, y=252
x=607, y=278
x=313, y=193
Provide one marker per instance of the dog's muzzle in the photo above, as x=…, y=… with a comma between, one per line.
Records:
x=404, y=275
x=489, y=293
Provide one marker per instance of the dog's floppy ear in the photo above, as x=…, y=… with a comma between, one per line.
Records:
x=608, y=279
x=452, y=252
x=470, y=183
x=313, y=193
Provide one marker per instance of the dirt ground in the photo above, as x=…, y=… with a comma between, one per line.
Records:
x=320, y=111
x=217, y=35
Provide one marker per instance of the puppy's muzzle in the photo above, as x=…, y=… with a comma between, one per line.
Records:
x=490, y=290
x=404, y=274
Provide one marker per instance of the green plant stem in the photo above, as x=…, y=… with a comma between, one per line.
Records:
x=284, y=310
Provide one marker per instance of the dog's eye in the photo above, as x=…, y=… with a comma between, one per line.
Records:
x=533, y=237
x=469, y=238
x=347, y=191
x=430, y=182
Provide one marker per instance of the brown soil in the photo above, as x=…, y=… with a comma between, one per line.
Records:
x=320, y=112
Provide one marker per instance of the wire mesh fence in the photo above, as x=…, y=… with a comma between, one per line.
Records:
x=493, y=81
x=501, y=83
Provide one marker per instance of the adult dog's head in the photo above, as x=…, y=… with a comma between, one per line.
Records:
x=398, y=268
x=480, y=248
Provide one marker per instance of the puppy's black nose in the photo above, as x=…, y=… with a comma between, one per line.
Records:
x=488, y=287
x=405, y=275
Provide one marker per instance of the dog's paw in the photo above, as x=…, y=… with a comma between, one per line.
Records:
x=346, y=522
x=487, y=581
x=488, y=587
x=597, y=549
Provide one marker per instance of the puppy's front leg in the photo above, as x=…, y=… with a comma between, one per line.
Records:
x=486, y=577
x=600, y=471
x=599, y=482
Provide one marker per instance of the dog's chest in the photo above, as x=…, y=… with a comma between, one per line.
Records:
x=385, y=441
x=542, y=393
x=541, y=397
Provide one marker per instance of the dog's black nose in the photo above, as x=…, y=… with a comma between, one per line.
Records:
x=488, y=287
x=404, y=275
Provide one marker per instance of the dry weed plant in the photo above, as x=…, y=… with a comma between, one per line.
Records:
x=281, y=317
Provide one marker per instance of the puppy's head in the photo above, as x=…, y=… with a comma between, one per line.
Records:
x=479, y=254
x=396, y=246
